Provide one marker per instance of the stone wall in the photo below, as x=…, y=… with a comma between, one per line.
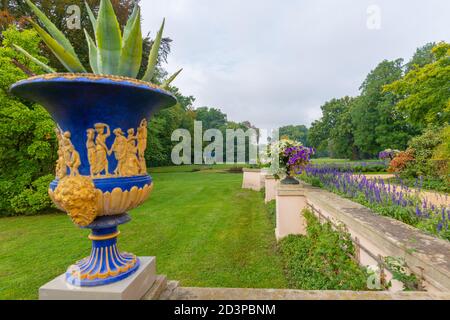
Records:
x=375, y=236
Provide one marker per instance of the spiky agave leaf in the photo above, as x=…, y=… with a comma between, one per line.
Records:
x=36, y=61
x=166, y=83
x=69, y=61
x=131, y=55
x=153, y=57
x=93, y=53
x=109, y=39
x=131, y=20
x=91, y=15
x=52, y=29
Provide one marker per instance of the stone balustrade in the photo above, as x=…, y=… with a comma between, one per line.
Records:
x=375, y=236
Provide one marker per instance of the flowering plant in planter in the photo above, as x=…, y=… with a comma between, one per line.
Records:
x=298, y=158
x=289, y=157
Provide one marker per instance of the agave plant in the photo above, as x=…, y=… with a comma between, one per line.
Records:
x=111, y=53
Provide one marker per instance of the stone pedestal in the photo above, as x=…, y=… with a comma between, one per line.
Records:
x=271, y=188
x=252, y=179
x=132, y=288
x=291, y=201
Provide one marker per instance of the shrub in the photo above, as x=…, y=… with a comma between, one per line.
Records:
x=33, y=199
x=424, y=147
x=441, y=154
x=401, y=161
x=27, y=140
x=321, y=259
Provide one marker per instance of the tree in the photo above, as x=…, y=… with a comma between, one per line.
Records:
x=378, y=125
x=211, y=118
x=27, y=141
x=333, y=133
x=318, y=138
x=161, y=126
x=423, y=56
x=297, y=133
x=424, y=92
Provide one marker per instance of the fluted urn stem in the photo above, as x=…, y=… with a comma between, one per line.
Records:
x=106, y=264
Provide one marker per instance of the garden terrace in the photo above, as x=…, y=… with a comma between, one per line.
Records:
x=425, y=255
x=203, y=228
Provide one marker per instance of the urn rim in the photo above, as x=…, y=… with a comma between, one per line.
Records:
x=93, y=78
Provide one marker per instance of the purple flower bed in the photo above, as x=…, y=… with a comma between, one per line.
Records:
x=361, y=166
x=396, y=201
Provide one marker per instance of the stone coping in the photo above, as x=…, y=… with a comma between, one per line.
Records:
x=250, y=170
x=292, y=190
x=424, y=254
x=182, y=293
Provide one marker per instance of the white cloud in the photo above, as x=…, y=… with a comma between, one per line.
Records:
x=276, y=62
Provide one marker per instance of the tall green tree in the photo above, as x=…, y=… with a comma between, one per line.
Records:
x=211, y=118
x=161, y=126
x=423, y=56
x=297, y=133
x=318, y=138
x=424, y=92
x=333, y=133
x=378, y=125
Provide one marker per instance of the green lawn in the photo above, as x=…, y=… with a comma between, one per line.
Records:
x=202, y=227
x=195, y=167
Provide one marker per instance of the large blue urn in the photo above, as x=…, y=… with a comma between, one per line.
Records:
x=101, y=171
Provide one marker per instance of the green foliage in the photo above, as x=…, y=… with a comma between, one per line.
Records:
x=427, y=183
x=425, y=91
x=396, y=103
x=27, y=141
x=161, y=126
x=424, y=147
x=109, y=39
x=321, y=260
x=399, y=271
x=333, y=133
x=153, y=57
x=110, y=53
x=56, y=11
x=377, y=124
x=423, y=56
x=297, y=133
x=211, y=118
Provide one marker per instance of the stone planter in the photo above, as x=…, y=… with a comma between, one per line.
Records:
x=101, y=171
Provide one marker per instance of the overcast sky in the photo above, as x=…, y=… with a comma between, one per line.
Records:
x=275, y=62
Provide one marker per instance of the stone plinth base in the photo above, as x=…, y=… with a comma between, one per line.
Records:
x=291, y=201
x=252, y=179
x=132, y=288
x=271, y=188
